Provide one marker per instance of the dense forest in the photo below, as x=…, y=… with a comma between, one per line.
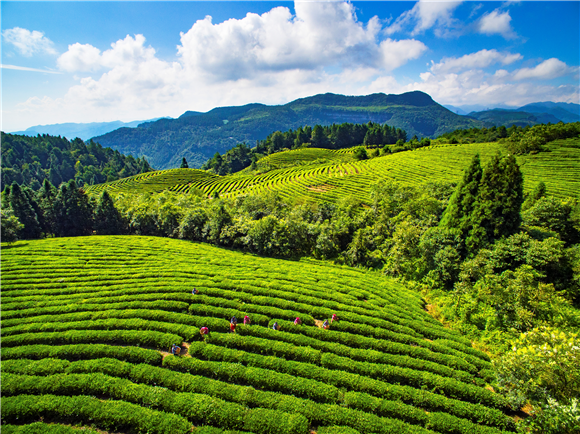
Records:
x=30, y=160
x=335, y=136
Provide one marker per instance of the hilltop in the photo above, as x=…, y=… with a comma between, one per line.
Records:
x=198, y=136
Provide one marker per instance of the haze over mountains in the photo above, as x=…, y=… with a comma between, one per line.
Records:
x=82, y=130
x=197, y=136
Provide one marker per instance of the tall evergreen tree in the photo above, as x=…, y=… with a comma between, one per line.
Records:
x=76, y=214
x=25, y=213
x=184, y=164
x=46, y=198
x=499, y=202
x=463, y=201
x=108, y=220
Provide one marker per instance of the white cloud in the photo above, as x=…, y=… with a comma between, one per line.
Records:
x=425, y=15
x=496, y=22
x=480, y=59
x=124, y=52
x=548, y=69
x=27, y=42
x=319, y=35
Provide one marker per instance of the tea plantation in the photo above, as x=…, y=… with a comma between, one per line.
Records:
x=338, y=175
x=88, y=323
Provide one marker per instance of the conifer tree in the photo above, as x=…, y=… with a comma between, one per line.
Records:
x=184, y=164
x=463, y=201
x=46, y=198
x=108, y=220
x=75, y=216
x=499, y=202
x=25, y=213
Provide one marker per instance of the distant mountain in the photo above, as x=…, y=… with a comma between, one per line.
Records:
x=83, y=131
x=197, y=136
x=566, y=112
x=517, y=117
x=456, y=110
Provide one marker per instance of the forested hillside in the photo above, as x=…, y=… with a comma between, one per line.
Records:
x=198, y=136
x=30, y=160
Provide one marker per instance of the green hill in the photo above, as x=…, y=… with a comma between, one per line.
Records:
x=87, y=324
x=519, y=118
x=337, y=176
x=197, y=136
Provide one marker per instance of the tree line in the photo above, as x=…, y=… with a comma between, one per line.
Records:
x=335, y=136
x=30, y=160
x=518, y=140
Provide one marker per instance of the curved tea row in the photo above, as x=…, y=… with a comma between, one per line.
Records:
x=88, y=324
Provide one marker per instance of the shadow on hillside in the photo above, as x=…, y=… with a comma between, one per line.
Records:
x=6, y=246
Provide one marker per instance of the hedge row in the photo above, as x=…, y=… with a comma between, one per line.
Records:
x=172, y=306
x=188, y=332
x=171, y=296
x=391, y=374
x=330, y=414
x=394, y=374
x=438, y=421
x=440, y=366
x=222, y=312
x=264, y=346
x=152, y=315
x=440, y=345
x=259, y=378
x=108, y=415
x=252, y=308
x=45, y=428
x=247, y=396
x=318, y=310
x=77, y=352
x=336, y=342
x=305, y=303
x=126, y=337
x=198, y=408
x=409, y=395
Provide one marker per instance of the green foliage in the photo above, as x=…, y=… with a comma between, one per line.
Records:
x=32, y=160
x=108, y=220
x=498, y=203
x=542, y=364
x=360, y=153
x=184, y=164
x=10, y=226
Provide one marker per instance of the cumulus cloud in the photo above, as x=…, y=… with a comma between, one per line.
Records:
x=496, y=22
x=28, y=42
x=318, y=36
x=124, y=52
x=479, y=60
x=476, y=87
x=548, y=69
x=425, y=15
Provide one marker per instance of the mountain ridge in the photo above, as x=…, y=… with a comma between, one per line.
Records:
x=197, y=136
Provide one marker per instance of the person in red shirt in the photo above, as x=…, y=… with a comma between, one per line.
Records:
x=297, y=321
x=204, y=331
x=334, y=318
x=246, y=320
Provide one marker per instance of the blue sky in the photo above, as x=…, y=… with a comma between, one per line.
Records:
x=105, y=61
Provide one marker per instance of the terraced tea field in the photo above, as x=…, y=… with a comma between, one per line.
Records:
x=87, y=324
x=559, y=169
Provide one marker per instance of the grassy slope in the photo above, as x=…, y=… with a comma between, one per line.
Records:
x=336, y=177
x=373, y=369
